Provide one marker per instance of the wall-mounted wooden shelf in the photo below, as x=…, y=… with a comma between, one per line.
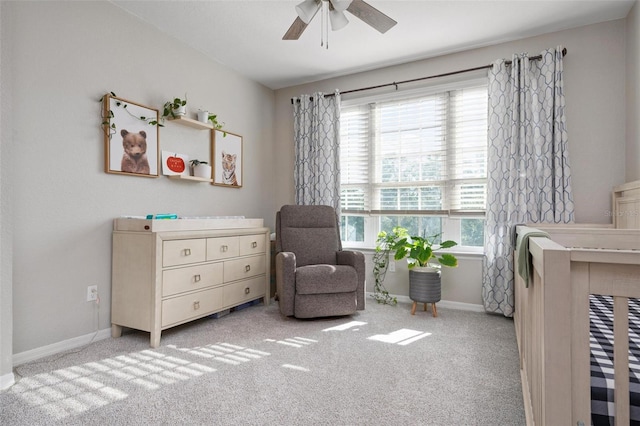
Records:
x=189, y=122
x=194, y=124
x=191, y=178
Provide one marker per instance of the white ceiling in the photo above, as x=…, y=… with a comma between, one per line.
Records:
x=247, y=35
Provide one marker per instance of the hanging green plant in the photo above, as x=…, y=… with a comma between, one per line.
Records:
x=213, y=118
x=108, y=124
x=384, y=245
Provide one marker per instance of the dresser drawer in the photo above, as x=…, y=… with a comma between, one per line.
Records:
x=182, y=308
x=243, y=291
x=183, y=252
x=252, y=244
x=222, y=248
x=246, y=267
x=179, y=280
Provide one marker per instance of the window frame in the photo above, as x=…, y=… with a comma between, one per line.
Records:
x=451, y=223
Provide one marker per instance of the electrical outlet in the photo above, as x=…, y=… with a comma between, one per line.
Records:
x=392, y=265
x=92, y=293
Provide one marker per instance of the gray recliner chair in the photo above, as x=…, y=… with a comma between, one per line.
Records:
x=314, y=276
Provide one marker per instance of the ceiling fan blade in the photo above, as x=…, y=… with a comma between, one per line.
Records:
x=295, y=30
x=371, y=15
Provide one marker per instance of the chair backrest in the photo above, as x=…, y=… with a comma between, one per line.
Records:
x=311, y=232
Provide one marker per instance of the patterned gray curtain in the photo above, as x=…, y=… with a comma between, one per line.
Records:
x=316, y=130
x=529, y=178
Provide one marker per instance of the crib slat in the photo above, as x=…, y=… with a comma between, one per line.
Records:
x=621, y=359
x=580, y=355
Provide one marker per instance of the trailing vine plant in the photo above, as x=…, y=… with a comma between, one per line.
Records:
x=213, y=118
x=384, y=245
x=109, y=126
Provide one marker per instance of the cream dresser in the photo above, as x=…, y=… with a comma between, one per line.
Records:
x=169, y=272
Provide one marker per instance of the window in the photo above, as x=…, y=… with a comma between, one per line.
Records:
x=417, y=160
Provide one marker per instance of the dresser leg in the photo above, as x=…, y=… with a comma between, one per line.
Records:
x=155, y=339
x=116, y=330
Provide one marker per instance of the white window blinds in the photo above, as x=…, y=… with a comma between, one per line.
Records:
x=355, y=133
x=420, y=155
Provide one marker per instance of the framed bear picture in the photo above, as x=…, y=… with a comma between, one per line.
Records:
x=131, y=137
x=226, y=153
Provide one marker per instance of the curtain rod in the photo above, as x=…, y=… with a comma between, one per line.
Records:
x=395, y=83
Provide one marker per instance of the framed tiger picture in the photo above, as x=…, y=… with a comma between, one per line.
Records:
x=226, y=152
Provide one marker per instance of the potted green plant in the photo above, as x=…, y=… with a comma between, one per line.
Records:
x=425, y=285
x=175, y=107
x=200, y=169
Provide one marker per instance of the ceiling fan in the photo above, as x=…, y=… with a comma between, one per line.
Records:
x=334, y=11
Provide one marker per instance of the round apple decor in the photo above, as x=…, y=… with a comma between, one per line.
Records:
x=176, y=164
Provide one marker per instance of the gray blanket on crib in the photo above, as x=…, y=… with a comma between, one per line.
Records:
x=525, y=266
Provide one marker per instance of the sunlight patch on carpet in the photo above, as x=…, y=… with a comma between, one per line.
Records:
x=80, y=388
x=257, y=352
x=295, y=367
x=224, y=352
x=296, y=342
x=345, y=326
x=403, y=337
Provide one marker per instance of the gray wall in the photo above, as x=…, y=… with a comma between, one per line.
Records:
x=633, y=94
x=65, y=56
x=595, y=92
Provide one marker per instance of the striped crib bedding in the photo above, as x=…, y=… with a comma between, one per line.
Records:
x=602, y=382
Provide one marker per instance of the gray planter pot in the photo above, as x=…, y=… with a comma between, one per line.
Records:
x=424, y=287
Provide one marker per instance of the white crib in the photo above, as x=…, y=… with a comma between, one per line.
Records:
x=552, y=314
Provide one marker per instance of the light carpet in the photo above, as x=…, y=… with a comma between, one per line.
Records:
x=254, y=367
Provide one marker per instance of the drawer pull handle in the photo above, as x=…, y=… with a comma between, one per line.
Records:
x=254, y=244
x=196, y=278
x=187, y=252
x=247, y=268
x=224, y=249
x=247, y=290
x=196, y=305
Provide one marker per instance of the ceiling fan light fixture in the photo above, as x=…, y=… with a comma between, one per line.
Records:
x=333, y=14
x=340, y=5
x=338, y=20
x=307, y=10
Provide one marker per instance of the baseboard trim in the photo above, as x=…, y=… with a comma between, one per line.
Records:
x=65, y=345
x=7, y=381
x=447, y=304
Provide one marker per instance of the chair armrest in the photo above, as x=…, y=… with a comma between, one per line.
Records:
x=350, y=257
x=286, y=281
x=355, y=259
